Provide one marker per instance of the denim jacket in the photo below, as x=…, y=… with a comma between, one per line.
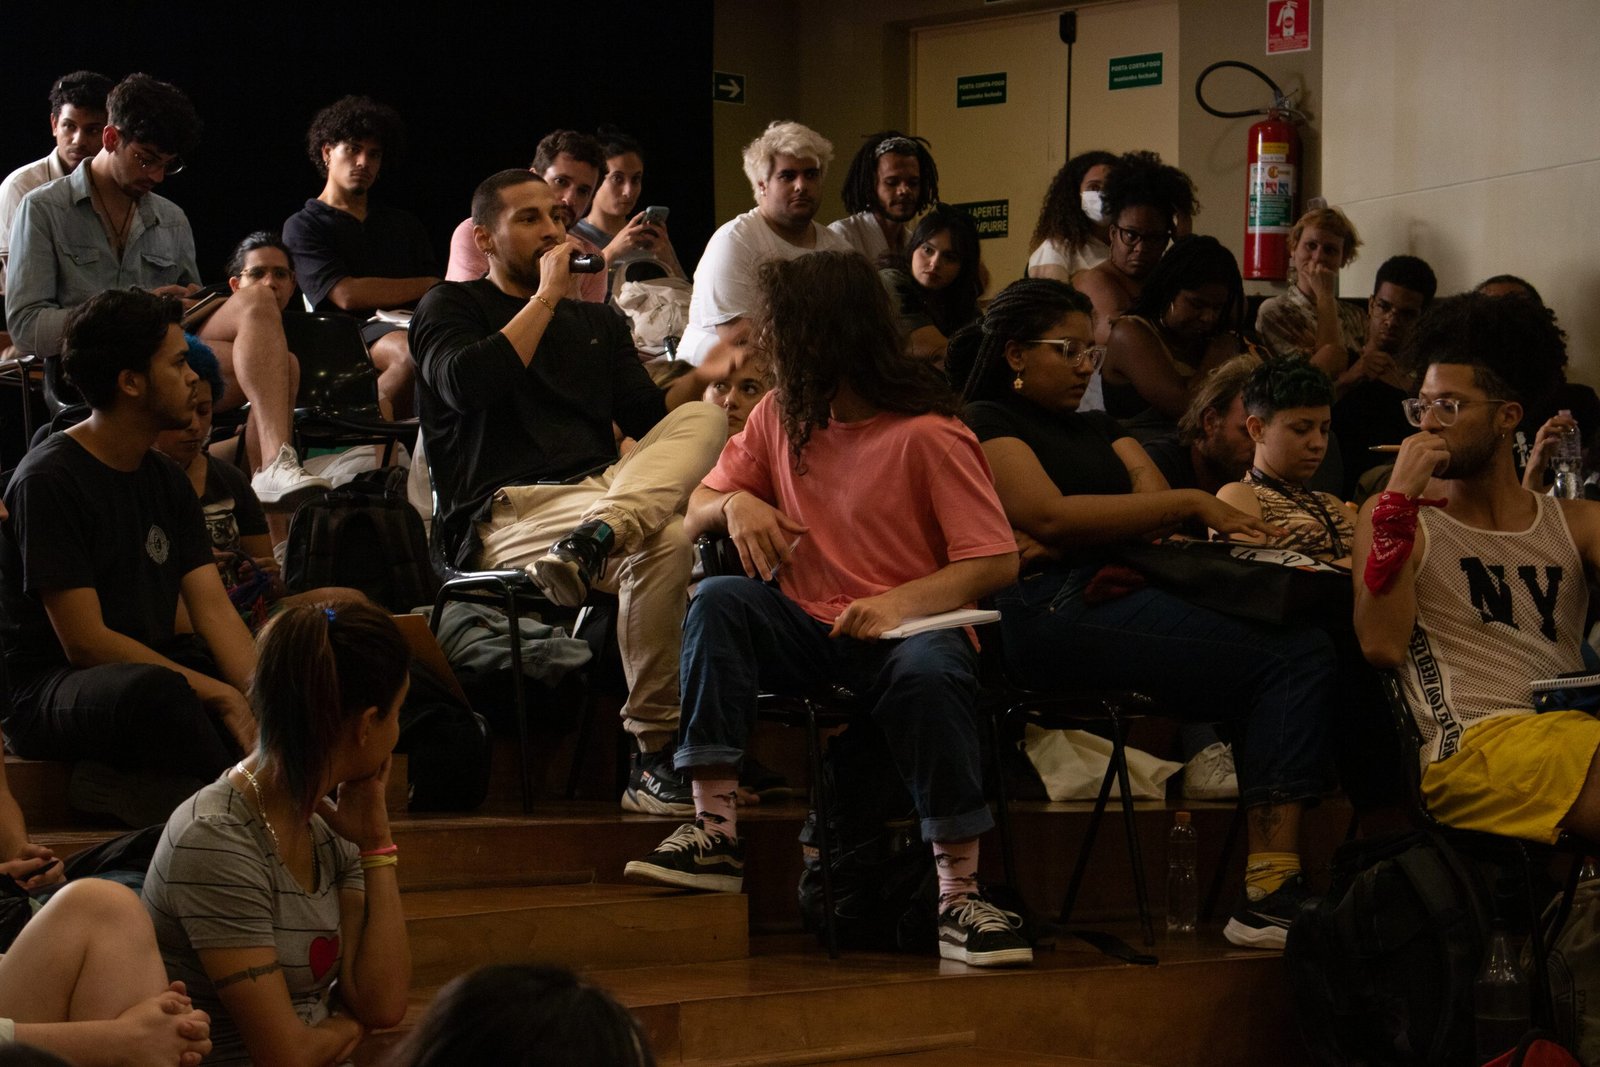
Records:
x=60, y=257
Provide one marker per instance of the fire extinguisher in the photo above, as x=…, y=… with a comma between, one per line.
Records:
x=1273, y=178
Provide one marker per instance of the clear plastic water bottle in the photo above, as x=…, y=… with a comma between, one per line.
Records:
x=1500, y=999
x=1566, y=459
x=1183, y=890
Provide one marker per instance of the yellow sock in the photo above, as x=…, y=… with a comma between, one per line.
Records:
x=1264, y=872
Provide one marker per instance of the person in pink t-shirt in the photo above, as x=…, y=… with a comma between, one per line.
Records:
x=856, y=500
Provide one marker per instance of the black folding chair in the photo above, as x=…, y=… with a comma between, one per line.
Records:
x=336, y=405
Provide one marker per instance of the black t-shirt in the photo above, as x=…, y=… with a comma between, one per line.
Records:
x=1369, y=414
x=76, y=523
x=1074, y=448
x=488, y=421
x=1175, y=461
x=232, y=509
x=330, y=245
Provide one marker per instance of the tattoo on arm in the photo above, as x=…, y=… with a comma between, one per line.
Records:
x=250, y=973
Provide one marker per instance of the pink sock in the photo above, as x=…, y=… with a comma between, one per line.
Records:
x=957, y=862
x=714, y=805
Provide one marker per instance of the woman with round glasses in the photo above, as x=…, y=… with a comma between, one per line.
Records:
x=1074, y=486
x=1145, y=202
x=1185, y=321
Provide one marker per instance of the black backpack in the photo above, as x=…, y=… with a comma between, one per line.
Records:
x=364, y=535
x=885, y=887
x=1382, y=967
x=446, y=744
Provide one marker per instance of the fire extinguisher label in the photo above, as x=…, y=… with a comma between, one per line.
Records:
x=1271, y=207
x=1273, y=151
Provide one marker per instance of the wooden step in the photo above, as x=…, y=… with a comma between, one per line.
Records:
x=1205, y=1002
x=966, y=1056
x=589, y=925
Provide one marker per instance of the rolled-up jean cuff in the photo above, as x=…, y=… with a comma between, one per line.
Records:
x=1306, y=791
x=958, y=827
x=689, y=756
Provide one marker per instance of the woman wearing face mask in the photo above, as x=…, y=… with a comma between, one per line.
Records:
x=1072, y=233
x=1185, y=321
x=1309, y=320
x=610, y=224
x=1147, y=203
x=1289, y=405
x=937, y=291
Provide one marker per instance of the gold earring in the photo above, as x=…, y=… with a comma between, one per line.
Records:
x=1016, y=383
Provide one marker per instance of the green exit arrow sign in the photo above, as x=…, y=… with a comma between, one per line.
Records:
x=727, y=88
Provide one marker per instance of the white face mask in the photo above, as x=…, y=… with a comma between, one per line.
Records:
x=1093, y=206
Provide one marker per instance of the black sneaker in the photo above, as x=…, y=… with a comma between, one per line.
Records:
x=977, y=932
x=654, y=788
x=693, y=859
x=1265, y=923
x=762, y=780
x=574, y=563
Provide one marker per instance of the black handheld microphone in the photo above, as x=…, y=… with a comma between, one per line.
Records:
x=586, y=263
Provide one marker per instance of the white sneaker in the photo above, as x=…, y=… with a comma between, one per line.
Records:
x=284, y=482
x=1210, y=775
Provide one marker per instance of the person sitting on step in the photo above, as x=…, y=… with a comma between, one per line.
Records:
x=856, y=489
x=263, y=893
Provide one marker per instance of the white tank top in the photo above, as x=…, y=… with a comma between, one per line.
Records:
x=1495, y=611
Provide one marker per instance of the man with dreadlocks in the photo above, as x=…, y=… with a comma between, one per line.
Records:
x=855, y=487
x=889, y=183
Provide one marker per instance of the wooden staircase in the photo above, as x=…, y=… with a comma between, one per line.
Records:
x=721, y=979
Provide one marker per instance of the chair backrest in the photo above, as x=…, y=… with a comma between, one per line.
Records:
x=336, y=371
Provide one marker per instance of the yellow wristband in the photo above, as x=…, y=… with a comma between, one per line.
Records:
x=371, y=862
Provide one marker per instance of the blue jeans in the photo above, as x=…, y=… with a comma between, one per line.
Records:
x=742, y=638
x=1277, y=681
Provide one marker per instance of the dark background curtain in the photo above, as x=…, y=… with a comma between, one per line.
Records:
x=477, y=86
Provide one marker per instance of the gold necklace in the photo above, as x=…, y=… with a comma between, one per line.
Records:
x=262, y=806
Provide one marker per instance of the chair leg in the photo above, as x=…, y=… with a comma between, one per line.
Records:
x=1086, y=848
x=1541, y=1007
x=1130, y=826
x=1002, y=807
x=586, y=713
x=821, y=804
x=519, y=700
x=1224, y=858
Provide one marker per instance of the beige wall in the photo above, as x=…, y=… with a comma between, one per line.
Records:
x=1464, y=132
x=842, y=66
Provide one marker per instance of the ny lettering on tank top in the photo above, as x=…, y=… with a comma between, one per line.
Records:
x=1495, y=610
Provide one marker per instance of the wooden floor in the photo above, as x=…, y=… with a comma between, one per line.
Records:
x=721, y=979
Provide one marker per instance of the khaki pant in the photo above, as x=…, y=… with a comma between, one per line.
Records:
x=641, y=497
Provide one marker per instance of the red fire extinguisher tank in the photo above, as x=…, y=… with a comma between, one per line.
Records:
x=1274, y=186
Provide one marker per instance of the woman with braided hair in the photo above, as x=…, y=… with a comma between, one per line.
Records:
x=1075, y=485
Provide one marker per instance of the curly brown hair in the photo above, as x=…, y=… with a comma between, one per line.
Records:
x=828, y=322
x=355, y=118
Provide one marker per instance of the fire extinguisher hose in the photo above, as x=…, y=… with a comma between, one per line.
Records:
x=1280, y=102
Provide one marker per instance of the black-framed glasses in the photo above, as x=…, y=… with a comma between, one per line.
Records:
x=1135, y=238
x=1078, y=353
x=1445, y=409
x=170, y=166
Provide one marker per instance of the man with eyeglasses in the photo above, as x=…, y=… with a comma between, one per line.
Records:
x=890, y=181
x=102, y=226
x=1366, y=411
x=246, y=333
x=77, y=119
x=1473, y=587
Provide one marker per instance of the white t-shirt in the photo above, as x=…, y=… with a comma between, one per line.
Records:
x=725, y=285
x=862, y=232
x=18, y=184
x=1055, y=254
